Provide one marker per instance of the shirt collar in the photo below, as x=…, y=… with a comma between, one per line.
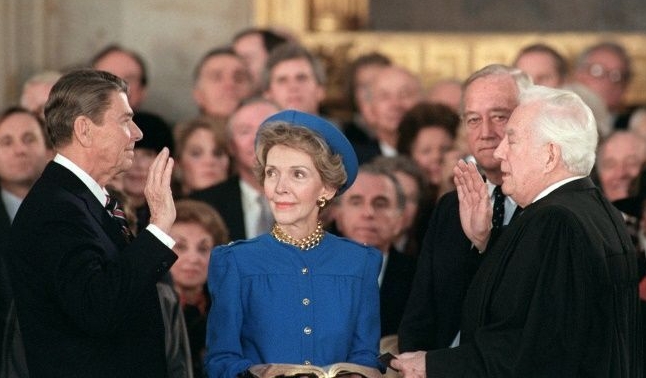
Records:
x=490, y=188
x=11, y=203
x=249, y=193
x=96, y=189
x=555, y=186
x=387, y=150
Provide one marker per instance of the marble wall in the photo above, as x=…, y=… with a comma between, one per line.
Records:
x=170, y=35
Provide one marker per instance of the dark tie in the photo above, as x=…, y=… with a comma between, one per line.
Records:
x=498, y=208
x=115, y=210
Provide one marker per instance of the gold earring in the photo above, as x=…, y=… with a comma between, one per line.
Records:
x=321, y=202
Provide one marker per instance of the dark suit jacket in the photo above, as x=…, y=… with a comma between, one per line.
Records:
x=395, y=287
x=445, y=267
x=5, y=223
x=556, y=296
x=366, y=151
x=86, y=299
x=226, y=198
x=355, y=132
x=12, y=360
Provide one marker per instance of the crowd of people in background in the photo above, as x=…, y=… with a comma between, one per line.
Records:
x=407, y=139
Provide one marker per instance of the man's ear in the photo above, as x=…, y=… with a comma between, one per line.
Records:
x=553, y=157
x=83, y=130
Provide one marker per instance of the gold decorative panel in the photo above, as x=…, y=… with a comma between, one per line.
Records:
x=433, y=56
x=436, y=56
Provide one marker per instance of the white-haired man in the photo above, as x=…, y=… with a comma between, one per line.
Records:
x=556, y=296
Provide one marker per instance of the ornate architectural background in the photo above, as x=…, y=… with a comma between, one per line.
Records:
x=508, y=15
x=435, y=55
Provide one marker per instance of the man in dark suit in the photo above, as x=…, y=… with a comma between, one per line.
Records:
x=24, y=152
x=84, y=288
x=240, y=199
x=447, y=259
x=371, y=212
x=391, y=93
x=556, y=294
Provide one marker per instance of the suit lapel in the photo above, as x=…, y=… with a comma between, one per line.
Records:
x=5, y=223
x=70, y=182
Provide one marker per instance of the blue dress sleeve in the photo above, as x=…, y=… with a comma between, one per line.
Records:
x=365, y=341
x=224, y=357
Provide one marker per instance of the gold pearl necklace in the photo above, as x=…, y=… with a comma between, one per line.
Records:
x=305, y=243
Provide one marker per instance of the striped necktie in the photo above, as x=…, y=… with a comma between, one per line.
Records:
x=498, y=208
x=117, y=213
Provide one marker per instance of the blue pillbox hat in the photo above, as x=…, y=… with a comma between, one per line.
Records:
x=334, y=138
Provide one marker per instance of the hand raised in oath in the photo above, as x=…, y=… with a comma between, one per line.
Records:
x=158, y=193
x=475, y=204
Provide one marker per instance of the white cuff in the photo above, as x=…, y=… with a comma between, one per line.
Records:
x=161, y=235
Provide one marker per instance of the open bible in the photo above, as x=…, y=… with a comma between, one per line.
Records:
x=311, y=371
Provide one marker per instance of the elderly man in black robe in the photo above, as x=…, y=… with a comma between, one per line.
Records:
x=556, y=294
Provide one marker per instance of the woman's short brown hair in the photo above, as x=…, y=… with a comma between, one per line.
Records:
x=329, y=166
x=184, y=130
x=202, y=214
x=421, y=116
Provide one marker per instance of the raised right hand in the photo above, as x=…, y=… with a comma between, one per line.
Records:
x=475, y=204
x=158, y=193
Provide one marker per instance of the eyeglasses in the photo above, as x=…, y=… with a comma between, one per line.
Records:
x=598, y=71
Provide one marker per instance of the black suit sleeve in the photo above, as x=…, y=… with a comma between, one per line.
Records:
x=445, y=267
x=97, y=292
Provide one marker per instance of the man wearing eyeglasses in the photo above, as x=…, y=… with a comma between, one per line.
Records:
x=605, y=68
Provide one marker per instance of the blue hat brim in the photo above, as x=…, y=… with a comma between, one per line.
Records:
x=334, y=138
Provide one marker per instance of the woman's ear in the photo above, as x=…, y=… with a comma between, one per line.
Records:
x=328, y=193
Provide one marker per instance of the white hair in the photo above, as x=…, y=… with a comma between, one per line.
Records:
x=565, y=120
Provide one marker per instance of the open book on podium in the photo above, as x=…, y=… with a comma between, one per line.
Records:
x=310, y=371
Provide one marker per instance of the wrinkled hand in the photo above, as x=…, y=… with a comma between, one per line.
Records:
x=158, y=193
x=411, y=364
x=475, y=204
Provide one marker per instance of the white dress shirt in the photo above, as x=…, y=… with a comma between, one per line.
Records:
x=102, y=195
x=11, y=203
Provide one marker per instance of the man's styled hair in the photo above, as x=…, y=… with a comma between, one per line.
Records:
x=561, y=62
x=565, y=120
x=522, y=79
x=375, y=169
x=84, y=92
x=117, y=48
x=291, y=51
x=270, y=39
x=223, y=50
x=6, y=113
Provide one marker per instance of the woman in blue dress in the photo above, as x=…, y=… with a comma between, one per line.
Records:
x=298, y=294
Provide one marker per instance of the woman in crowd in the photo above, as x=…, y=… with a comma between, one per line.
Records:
x=197, y=229
x=296, y=295
x=202, y=158
x=426, y=133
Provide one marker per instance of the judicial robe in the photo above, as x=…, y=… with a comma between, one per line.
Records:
x=556, y=296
